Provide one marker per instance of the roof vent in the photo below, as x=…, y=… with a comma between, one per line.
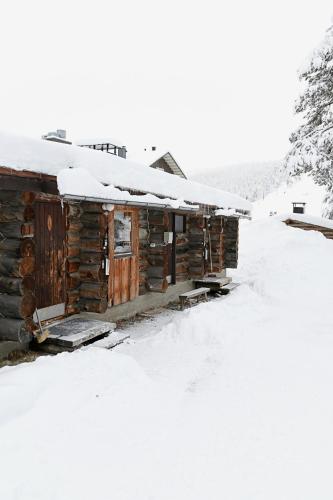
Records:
x=58, y=136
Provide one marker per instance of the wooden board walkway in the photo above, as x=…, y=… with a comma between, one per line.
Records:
x=71, y=334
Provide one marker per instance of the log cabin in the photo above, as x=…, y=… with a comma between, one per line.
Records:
x=85, y=232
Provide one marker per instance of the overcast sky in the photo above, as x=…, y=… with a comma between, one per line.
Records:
x=214, y=81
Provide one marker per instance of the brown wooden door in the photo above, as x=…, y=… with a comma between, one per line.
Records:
x=50, y=244
x=124, y=262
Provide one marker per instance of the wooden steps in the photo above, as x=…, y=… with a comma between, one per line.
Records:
x=228, y=288
x=193, y=294
x=214, y=283
x=71, y=334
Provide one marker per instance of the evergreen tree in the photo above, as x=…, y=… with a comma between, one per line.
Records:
x=312, y=142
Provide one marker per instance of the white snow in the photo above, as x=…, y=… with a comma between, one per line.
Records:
x=231, y=399
x=297, y=189
x=79, y=182
x=52, y=158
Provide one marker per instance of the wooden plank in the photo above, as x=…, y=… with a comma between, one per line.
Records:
x=116, y=281
x=195, y=293
x=125, y=269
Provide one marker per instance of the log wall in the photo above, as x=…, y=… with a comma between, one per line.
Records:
x=197, y=241
x=182, y=249
x=17, y=263
x=90, y=263
x=73, y=250
x=231, y=237
x=215, y=262
x=143, y=251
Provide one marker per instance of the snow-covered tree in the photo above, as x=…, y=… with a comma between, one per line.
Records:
x=312, y=142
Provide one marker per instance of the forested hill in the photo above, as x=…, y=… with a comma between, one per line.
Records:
x=253, y=181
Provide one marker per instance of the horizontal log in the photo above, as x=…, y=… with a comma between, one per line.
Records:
x=91, y=272
x=91, y=258
x=16, y=229
x=16, y=286
x=91, y=245
x=91, y=207
x=16, y=197
x=92, y=233
x=73, y=296
x=93, y=290
x=15, y=329
x=73, y=225
x=12, y=306
x=91, y=305
x=73, y=280
x=72, y=265
x=94, y=220
x=19, y=268
x=73, y=251
x=73, y=237
x=17, y=248
x=74, y=210
x=157, y=285
x=72, y=309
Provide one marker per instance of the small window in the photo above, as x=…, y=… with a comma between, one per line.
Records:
x=122, y=233
x=180, y=224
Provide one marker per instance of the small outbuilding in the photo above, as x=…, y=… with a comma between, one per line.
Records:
x=82, y=231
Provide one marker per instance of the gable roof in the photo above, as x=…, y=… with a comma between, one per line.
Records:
x=170, y=162
x=86, y=172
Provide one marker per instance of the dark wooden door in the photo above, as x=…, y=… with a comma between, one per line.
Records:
x=171, y=251
x=50, y=256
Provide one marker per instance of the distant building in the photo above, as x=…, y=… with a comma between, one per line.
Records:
x=106, y=145
x=161, y=161
x=299, y=207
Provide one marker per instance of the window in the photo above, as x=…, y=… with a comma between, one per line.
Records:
x=180, y=224
x=122, y=233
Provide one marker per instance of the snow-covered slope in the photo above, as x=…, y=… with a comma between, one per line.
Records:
x=297, y=189
x=252, y=181
x=231, y=399
x=268, y=185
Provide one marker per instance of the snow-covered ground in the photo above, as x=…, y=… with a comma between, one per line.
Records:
x=229, y=400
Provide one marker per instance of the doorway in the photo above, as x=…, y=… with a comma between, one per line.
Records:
x=50, y=280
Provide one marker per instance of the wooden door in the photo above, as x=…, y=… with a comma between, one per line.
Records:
x=50, y=258
x=124, y=255
x=171, y=251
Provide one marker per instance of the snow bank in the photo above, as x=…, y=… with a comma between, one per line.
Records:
x=231, y=399
x=51, y=158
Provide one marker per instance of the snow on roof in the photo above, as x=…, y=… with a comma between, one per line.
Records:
x=90, y=141
x=52, y=158
x=307, y=219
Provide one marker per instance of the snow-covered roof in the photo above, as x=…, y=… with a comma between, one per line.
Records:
x=90, y=141
x=307, y=219
x=105, y=170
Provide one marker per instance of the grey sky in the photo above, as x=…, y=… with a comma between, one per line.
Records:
x=214, y=81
